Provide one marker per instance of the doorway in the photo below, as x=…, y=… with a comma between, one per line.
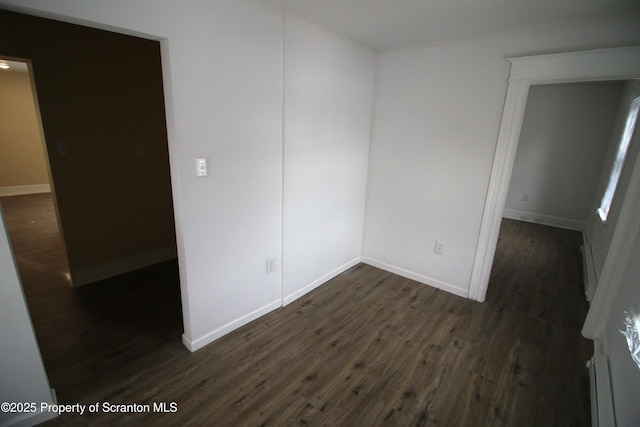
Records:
x=108, y=153
x=558, y=168
x=604, y=64
x=25, y=182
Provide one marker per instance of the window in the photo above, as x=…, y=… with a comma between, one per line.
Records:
x=630, y=124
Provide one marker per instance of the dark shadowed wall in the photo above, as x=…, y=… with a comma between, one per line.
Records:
x=102, y=107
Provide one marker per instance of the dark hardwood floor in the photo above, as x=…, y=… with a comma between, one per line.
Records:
x=537, y=271
x=92, y=334
x=367, y=348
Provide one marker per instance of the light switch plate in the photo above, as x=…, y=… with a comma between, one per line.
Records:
x=201, y=167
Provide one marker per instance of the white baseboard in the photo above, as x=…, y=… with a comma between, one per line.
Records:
x=554, y=221
x=198, y=343
x=311, y=286
x=417, y=277
x=125, y=265
x=602, y=413
x=21, y=190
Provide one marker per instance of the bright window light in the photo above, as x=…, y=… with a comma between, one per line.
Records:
x=605, y=204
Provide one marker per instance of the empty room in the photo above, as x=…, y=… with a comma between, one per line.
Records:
x=383, y=213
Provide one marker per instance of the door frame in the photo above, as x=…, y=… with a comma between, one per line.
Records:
x=581, y=66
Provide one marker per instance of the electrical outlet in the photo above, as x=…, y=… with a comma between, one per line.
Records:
x=525, y=197
x=271, y=265
x=439, y=247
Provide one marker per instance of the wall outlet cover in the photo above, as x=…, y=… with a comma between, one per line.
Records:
x=271, y=265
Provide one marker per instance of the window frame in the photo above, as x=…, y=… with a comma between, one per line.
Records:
x=606, y=201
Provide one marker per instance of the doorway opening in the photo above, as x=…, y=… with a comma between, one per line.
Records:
x=25, y=180
x=107, y=149
x=594, y=65
x=559, y=169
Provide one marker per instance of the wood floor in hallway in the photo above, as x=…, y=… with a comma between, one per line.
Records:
x=368, y=348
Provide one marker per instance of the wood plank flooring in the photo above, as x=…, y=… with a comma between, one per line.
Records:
x=85, y=332
x=368, y=348
x=537, y=271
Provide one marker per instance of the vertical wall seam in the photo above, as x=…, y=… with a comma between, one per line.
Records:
x=367, y=191
x=283, y=157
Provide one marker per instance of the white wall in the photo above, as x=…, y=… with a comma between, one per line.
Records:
x=565, y=134
x=599, y=234
x=22, y=374
x=224, y=80
x=328, y=105
x=436, y=122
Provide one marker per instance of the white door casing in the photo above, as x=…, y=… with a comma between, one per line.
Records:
x=591, y=65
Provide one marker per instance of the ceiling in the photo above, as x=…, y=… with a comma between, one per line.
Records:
x=389, y=24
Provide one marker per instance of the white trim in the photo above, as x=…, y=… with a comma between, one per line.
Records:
x=620, y=157
x=619, y=63
x=311, y=286
x=425, y=280
x=601, y=64
x=210, y=337
x=114, y=268
x=21, y=190
x=544, y=219
x=602, y=412
x=498, y=187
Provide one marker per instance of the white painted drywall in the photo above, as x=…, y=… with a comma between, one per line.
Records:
x=22, y=375
x=600, y=235
x=436, y=121
x=328, y=106
x=223, y=65
x=565, y=134
x=625, y=374
x=222, y=62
